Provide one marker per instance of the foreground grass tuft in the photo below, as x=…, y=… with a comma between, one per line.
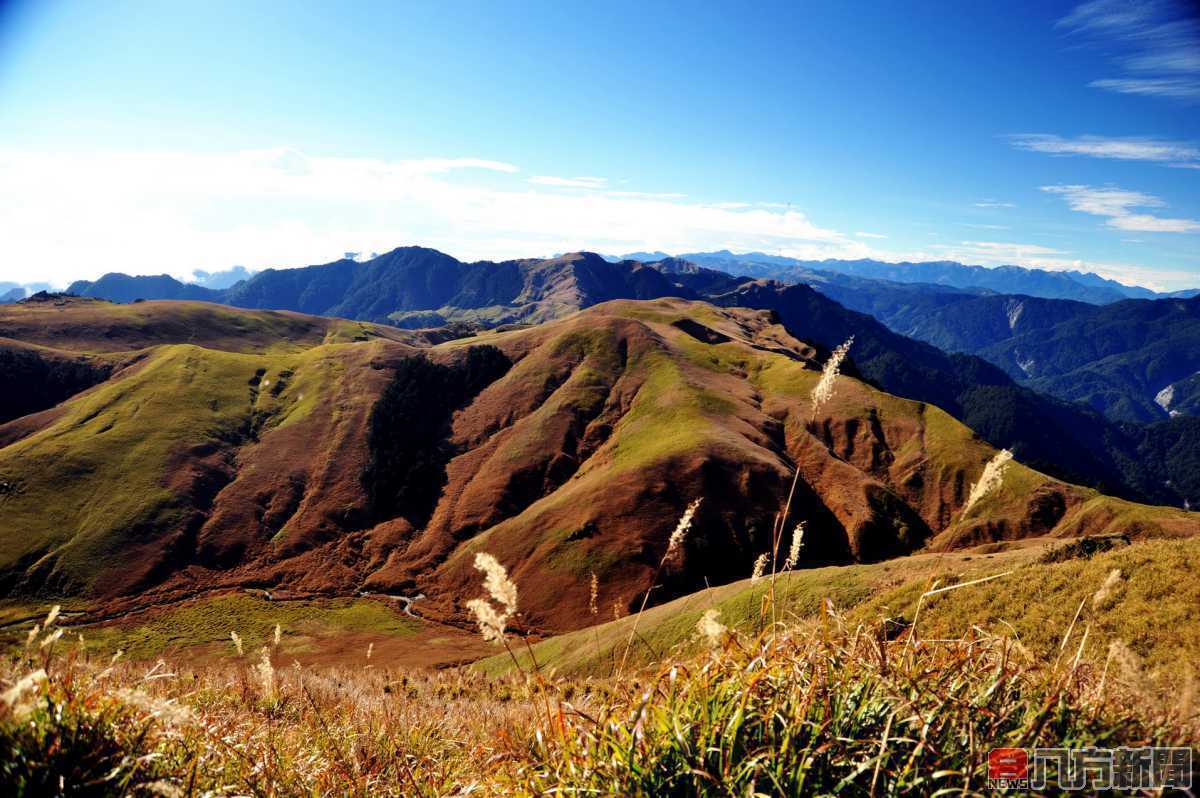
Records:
x=823, y=706
x=827, y=710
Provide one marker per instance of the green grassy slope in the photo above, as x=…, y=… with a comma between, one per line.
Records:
x=200, y=468
x=714, y=403
x=110, y=493
x=1152, y=606
x=126, y=431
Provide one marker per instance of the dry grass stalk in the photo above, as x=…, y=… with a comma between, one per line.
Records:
x=674, y=547
x=934, y=590
x=1127, y=665
x=821, y=393
x=51, y=638
x=19, y=698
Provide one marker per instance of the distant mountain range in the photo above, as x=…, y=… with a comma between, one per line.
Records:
x=413, y=287
x=1144, y=368
x=416, y=287
x=1081, y=286
x=1134, y=360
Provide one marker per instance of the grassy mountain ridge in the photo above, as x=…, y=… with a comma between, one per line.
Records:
x=228, y=456
x=420, y=287
x=1065, y=439
x=1024, y=320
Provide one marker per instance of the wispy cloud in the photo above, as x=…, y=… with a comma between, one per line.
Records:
x=991, y=203
x=1174, y=88
x=649, y=195
x=440, y=165
x=1011, y=251
x=1118, y=206
x=1172, y=153
x=570, y=182
x=861, y=234
x=600, y=184
x=978, y=226
x=1158, y=43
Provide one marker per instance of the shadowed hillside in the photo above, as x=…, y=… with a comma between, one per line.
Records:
x=241, y=448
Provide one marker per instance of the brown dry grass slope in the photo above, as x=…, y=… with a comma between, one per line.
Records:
x=231, y=452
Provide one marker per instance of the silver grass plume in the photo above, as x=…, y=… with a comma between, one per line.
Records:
x=710, y=628
x=760, y=567
x=823, y=392
x=681, y=530
x=991, y=478
x=1101, y=599
x=492, y=620
x=794, y=550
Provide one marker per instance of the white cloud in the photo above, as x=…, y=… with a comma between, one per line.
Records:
x=861, y=234
x=985, y=226
x=991, y=203
x=438, y=165
x=66, y=216
x=1157, y=41
x=570, y=182
x=1130, y=148
x=1118, y=206
x=1144, y=223
x=651, y=194
x=1004, y=249
x=1173, y=88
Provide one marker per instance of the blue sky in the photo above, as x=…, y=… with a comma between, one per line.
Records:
x=165, y=137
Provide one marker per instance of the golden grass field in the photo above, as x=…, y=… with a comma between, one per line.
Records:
x=827, y=698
